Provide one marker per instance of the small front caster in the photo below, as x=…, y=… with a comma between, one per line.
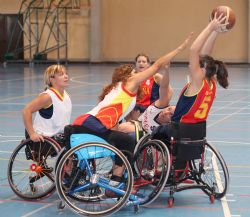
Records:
x=61, y=205
x=170, y=202
x=136, y=209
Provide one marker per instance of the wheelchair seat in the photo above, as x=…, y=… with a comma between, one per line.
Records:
x=189, y=140
x=92, y=151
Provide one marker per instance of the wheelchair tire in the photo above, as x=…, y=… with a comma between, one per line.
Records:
x=30, y=170
x=212, y=172
x=143, y=140
x=152, y=165
x=94, y=177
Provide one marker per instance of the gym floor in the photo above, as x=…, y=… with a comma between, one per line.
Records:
x=228, y=129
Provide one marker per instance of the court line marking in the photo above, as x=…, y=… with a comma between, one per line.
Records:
x=239, y=166
x=219, y=101
x=37, y=210
x=226, y=105
x=22, y=79
x=225, y=206
x=230, y=143
x=18, y=97
x=35, y=94
x=224, y=201
x=11, y=136
x=226, y=114
x=6, y=152
x=238, y=176
x=23, y=104
x=11, y=198
x=88, y=83
x=11, y=140
x=225, y=118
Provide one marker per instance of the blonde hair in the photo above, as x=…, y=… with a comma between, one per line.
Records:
x=50, y=73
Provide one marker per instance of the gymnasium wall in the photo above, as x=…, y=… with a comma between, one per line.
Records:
x=155, y=27
x=127, y=27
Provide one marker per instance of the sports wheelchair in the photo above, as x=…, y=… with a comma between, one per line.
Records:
x=192, y=162
x=31, y=172
x=83, y=178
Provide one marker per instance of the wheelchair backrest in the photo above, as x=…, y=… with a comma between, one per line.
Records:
x=92, y=151
x=189, y=138
x=196, y=131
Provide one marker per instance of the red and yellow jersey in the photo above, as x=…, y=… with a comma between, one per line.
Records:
x=194, y=109
x=150, y=92
x=115, y=106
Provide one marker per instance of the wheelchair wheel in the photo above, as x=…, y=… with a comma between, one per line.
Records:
x=94, y=193
x=212, y=172
x=143, y=140
x=30, y=169
x=139, y=144
x=152, y=165
x=83, y=175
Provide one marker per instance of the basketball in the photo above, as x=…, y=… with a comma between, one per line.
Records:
x=230, y=17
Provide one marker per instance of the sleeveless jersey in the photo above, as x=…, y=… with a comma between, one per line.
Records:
x=194, y=109
x=148, y=118
x=52, y=120
x=115, y=106
x=150, y=92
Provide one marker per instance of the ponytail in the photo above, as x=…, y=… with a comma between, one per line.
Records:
x=215, y=67
x=105, y=91
x=222, y=73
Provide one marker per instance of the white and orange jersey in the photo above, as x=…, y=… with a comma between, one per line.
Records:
x=52, y=120
x=115, y=106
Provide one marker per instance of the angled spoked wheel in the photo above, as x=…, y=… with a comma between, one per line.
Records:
x=212, y=172
x=31, y=169
x=152, y=165
x=83, y=179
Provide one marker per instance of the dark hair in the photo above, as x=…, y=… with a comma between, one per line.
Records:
x=213, y=67
x=142, y=55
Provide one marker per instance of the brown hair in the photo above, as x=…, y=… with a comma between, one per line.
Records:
x=213, y=67
x=120, y=74
x=142, y=55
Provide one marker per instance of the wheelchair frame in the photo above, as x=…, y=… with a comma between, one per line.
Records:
x=194, y=173
x=85, y=169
